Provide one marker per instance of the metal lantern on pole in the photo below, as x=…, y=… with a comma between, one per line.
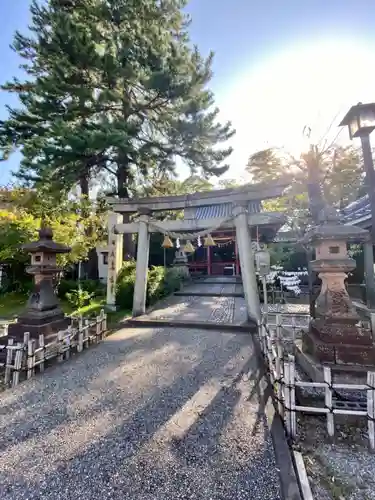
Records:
x=360, y=120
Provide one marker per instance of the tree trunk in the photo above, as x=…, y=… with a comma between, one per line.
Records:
x=90, y=266
x=122, y=190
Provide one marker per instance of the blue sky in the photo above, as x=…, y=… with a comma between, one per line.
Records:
x=279, y=64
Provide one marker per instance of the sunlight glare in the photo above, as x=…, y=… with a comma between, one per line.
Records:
x=303, y=85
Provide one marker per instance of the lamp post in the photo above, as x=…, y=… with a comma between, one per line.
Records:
x=360, y=120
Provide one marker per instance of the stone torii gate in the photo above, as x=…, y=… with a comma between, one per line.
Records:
x=235, y=207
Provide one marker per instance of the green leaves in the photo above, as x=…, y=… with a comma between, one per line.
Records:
x=77, y=223
x=339, y=171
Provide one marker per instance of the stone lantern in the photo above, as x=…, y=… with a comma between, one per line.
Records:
x=180, y=262
x=43, y=314
x=336, y=335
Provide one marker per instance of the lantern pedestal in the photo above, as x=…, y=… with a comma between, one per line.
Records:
x=180, y=262
x=48, y=324
x=43, y=314
x=314, y=370
x=336, y=335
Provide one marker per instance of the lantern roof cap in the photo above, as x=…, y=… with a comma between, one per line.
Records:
x=332, y=231
x=45, y=243
x=354, y=110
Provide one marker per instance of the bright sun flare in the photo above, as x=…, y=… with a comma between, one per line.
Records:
x=303, y=85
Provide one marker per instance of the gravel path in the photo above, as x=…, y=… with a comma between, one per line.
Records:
x=148, y=414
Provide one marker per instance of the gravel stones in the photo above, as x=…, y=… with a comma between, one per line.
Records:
x=343, y=468
x=148, y=414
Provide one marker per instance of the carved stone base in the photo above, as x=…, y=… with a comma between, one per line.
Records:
x=346, y=331
x=344, y=352
x=48, y=325
x=183, y=269
x=343, y=374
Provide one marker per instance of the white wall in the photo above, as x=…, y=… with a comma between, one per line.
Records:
x=102, y=263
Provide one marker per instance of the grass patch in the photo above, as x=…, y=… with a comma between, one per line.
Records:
x=12, y=304
x=94, y=308
x=115, y=317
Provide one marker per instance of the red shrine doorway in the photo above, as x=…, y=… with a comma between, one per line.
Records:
x=219, y=260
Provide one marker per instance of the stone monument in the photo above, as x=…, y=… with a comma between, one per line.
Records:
x=336, y=336
x=43, y=314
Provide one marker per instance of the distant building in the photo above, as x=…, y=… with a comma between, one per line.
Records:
x=102, y=263
x=358, y=213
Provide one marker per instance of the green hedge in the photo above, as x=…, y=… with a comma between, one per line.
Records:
x=160, y=283
x=125, y=285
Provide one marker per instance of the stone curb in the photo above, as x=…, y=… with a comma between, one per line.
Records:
x=284, y=458
x=148, y=323
x=290, y=485
x=213, y=282
x=208, y=294
x=302, y=476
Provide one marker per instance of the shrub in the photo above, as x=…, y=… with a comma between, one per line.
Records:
x=21, y=287
x=160, y=283
x=66, y=286
x=173, y=280
x=125, y=285
x=91, y=286
x=79, y=298
x=155, y=284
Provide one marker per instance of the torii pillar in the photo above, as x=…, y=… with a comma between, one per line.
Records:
x=249, y=281
x=143, y=252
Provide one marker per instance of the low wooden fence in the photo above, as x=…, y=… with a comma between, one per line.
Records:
x=282, y=372
x=27, y=356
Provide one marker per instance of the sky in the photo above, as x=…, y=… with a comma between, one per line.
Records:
x=279, y=65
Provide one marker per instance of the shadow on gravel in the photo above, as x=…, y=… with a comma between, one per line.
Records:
x=47, y=405
x=117, y=465
x=33, y=391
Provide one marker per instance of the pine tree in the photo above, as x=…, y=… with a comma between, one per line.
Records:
x=58, y=57
x=116, y=87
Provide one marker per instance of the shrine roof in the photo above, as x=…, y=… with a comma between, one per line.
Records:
x=223, y=210
x=358, y=211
